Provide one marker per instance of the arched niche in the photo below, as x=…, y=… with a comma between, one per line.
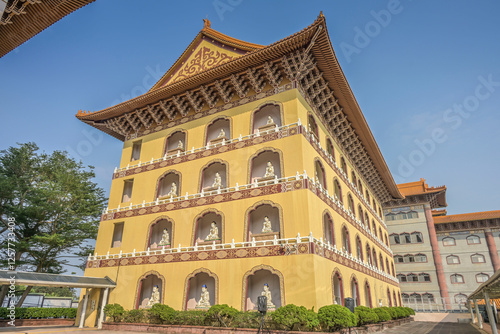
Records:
x=267, y=117
x=312, y=126
x=217, y=131
x=214, y=176
x=258, y=226
x=175, y=143
x=194, y=289
x=368, y=295
x=319, y=173
x=355, y=291
x=169, y=185
x=337, y=288
x=204, y=231
x=157, y=237
x=330, y=149
x=255, y=282
x=266, y=165
x=328, y=230
x=145, y=289
x=338, y=190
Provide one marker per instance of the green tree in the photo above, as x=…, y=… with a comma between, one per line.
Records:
x=55, y=205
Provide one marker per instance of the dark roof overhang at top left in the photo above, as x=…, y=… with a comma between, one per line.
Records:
x=22, y=19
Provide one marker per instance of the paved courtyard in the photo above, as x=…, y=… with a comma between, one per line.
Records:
x=416, y=327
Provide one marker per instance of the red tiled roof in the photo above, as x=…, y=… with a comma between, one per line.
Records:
x=467, y=217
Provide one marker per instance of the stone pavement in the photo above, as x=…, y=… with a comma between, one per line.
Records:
x=417, y=327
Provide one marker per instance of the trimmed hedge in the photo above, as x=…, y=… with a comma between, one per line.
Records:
x=289, y=317
x=366, y=315
x=39, y=312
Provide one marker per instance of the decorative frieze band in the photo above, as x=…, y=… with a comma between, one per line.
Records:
x=315, y=247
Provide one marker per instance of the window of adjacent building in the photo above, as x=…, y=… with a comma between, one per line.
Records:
x=457, y=278
x=473, y=240
x=394, y=239
x=401, y=277
x=117, y=235
x=477, y=258
x=428, y=297
x=416, y=237
x=398, y=259
x=411, y=278
x=136, y=151
x=423, y=277
x=408, y=258
x=452, y=259
x=482, y=277
x=449, y=241
x=405, y=238
x=460, y=298
x=420, y=258
x=127, y=190
x=416, y=297
x=412, y=215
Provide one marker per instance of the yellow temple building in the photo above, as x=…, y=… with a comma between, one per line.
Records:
x=246, y=170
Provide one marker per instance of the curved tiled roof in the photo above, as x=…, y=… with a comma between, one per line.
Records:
x=326, y=61
x=463, y=217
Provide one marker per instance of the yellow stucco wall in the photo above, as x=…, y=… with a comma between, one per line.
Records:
x=307, y=278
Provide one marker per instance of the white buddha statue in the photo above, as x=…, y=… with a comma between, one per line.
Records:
x=165, y=238
x=267, y=293
x=269, y=120
x=217, y=181
x=266, y=226
x=204, y=301
x=155, y=296
x=269, y=170
x=214, y=233
x=222, y=134
x=180, y=145
x=173, y=190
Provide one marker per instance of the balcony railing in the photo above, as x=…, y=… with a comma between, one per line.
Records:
x=247, y=244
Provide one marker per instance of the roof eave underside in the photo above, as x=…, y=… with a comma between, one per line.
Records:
x=327, y=62
x=492, y=286
x=23, y=27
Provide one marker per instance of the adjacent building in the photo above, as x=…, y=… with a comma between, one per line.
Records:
x=246, y=170
x=440, y=258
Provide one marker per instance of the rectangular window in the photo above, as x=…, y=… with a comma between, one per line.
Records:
x=117, y=235
x=453, y=260
x=127, y=190
x=136, y=151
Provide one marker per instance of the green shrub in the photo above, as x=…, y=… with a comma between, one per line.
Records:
x=190, y=318
x=114, y=311
x=249, y=319
x=335, y=317
x=403, y=311
x=365, y=315
x=39, y=312
x=392, y=312
x=221, y=315
x=292, y=317
x=134, y=316
x=161, y=314
x=383, y=315
x=410, y=310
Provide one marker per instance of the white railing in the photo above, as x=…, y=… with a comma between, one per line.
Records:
x=251, y=136
x=208, y=146
x=254, y=243
x=254, y=185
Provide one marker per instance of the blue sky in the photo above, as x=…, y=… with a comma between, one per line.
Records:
x=426, y=75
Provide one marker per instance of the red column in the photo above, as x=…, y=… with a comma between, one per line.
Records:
x=490, y=241
x=443, y=288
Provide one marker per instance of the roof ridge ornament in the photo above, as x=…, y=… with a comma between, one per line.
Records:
x=206, y=23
